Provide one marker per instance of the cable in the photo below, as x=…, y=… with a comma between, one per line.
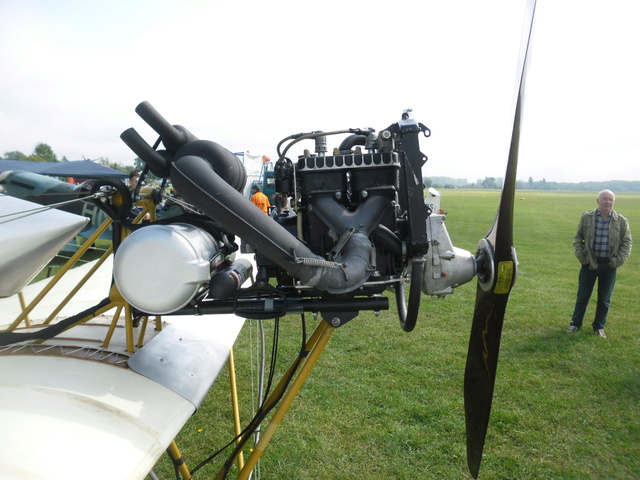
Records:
x=274, y=361
x=265, y=408
x=306, y=136
x=35, y=211
x=258, y=417
x=8, y=338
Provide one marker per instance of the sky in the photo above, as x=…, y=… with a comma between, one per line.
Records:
x=247, y=74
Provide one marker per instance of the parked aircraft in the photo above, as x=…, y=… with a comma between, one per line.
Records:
x=361, y=227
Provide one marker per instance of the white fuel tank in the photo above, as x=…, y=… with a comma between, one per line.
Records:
x=160, y=268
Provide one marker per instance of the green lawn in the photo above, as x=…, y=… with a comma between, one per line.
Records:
x=385, y=404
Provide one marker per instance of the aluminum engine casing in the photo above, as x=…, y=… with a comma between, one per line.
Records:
x=446, y=266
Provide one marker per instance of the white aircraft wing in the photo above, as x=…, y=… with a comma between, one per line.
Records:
x=71, y=408
x=28, y=243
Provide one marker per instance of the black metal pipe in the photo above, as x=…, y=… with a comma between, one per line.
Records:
x=293, y=305
x=158, y=162
x=173, y=136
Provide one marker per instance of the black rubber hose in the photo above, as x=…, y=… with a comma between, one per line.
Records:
x=408, y=314
x=8, y=338
x=351, y=141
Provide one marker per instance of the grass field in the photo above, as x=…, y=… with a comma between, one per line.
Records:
x=385, y=404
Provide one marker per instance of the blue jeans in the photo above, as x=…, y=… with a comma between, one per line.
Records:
x=606, y=277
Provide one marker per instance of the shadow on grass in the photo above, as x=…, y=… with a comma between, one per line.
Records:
x=607, y=364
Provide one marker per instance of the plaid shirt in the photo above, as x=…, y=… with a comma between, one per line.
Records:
x=601, y=238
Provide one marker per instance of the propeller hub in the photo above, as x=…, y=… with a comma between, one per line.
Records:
x=485, y=261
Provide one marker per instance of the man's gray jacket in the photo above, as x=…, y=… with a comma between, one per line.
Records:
x=619, y=239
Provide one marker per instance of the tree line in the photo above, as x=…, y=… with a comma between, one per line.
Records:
x=41, y=153
x=496, y=183
x=44, y=153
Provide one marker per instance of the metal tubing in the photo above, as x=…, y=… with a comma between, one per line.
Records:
x=128, y=327
x=23, y=305
x=325, y=334
x=143, y=329
x=65, y=268
x=176, y=457
x=91, y=314
x=112, y=327
x=294, y=305
x=236, y=409
x=79, y=285
x=273, y=398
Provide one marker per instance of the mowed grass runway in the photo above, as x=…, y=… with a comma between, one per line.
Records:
x=385, y=404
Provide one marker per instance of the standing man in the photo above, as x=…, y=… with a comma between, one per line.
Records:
x=134, y=177
x=602, y=243
x=260, y=199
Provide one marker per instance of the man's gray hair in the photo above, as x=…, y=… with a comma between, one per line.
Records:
x=606, y=190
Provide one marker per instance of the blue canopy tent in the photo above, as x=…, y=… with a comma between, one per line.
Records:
x=75, y=169
x=20, y=165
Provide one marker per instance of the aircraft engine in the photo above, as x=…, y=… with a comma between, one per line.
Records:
x=359, y=225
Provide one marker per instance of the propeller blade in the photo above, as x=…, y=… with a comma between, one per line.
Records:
x=497, y=274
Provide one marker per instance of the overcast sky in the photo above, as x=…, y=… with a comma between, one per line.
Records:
x=246, y=74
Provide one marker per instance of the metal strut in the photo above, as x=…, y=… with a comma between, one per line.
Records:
x=314, y=347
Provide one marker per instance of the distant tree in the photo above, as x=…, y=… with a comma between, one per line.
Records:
x=43, y=153
x=530, y=182
x=489, y=182
x=15, y=155
x=105, y=162
x=138, y=164
x=428, y=182
x=116, y=166
x=64, y=159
